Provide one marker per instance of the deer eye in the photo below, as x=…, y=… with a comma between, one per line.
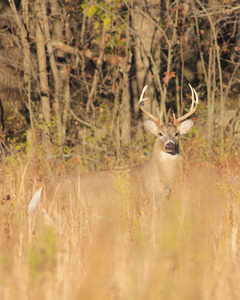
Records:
x=177, y=134
x=160, y=134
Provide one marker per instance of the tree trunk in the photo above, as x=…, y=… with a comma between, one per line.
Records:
x=43, y=77
x=147, y=49
x=126, y=107
x=26, y=61
x=57, y=79
x=99, y=63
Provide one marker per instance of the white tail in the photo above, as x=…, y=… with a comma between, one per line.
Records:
x=152, y=180
x=35, y=201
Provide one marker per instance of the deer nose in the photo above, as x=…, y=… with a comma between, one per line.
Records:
x=170, y=146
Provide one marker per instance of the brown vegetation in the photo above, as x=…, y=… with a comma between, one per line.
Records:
x=188, y=247
x=71, y=73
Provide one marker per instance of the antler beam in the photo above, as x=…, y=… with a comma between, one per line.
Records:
x=192, y=109
x=140, y=104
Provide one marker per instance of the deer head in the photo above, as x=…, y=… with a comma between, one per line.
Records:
x=168, y=133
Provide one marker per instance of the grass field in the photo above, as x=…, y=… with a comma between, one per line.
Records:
x=188, y=248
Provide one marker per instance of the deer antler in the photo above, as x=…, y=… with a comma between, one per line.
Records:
x=192, y=109
x=159, y=121
x=141, y=106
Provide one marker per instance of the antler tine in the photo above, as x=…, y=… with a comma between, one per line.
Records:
x=192, y=109
x=140, y=104
x=193, y=96
x=161, y=118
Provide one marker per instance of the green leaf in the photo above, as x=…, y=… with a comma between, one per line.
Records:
x=91, y=11
x=107, y=21
x=96, y=25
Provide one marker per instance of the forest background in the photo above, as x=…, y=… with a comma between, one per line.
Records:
x=71, y=73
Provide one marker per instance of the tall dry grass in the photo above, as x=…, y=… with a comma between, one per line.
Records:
x=187, y=248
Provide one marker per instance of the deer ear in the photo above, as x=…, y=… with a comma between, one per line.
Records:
x=151, y=127
x=185, y=126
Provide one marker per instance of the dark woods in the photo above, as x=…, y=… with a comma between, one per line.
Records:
x=74, y=70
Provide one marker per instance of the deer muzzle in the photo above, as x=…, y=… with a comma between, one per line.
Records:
x=170, y=146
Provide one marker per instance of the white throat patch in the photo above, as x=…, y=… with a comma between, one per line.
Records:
x=166, y=156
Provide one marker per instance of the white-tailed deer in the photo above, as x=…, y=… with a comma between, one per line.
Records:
x=152, y=180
